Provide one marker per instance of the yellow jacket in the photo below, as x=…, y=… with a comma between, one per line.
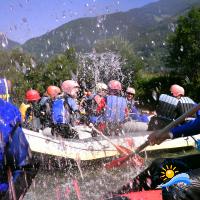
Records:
x=23, y=108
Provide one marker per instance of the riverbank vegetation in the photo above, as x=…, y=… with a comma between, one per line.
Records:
x=180, y=58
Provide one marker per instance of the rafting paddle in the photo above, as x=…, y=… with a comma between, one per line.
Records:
x=121, y=149
x=119, y=161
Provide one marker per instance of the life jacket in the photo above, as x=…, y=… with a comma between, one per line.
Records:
x=14, y=148
x=167, y=107
x=45, y=108
x=4, y=94
x=13, y=144
x=130, y=104
x=62, y=109
x=23, y=108
x=43, y=100
x=134, y=113
x=32, y=117
x=115, y=110
x=185, y=104
x=92, y=103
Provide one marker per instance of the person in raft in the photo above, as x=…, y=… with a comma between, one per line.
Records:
x=151, y=178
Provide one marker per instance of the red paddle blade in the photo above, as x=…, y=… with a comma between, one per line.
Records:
x=123, y=150
x=135, y=161
x=116, y=163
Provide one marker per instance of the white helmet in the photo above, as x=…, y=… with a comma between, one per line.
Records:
x=101, y=86
x=130, y=90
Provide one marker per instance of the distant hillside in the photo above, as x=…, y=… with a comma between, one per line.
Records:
x=140, y=26
x=5, y=43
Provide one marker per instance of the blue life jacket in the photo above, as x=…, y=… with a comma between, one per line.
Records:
x=13, y=145
x=135, y=114
x=115, y=109
x=144, y=118
x=62, y=109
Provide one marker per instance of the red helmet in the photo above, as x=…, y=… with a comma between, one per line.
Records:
x=68, y=86
x=130, y=90
x=53, y=91
x=177, y=90
x=115, y=85
x=32, y=95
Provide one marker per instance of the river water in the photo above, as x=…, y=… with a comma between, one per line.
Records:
x=63, y=183
x=94, y=182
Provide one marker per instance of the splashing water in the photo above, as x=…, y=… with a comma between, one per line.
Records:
x=68, y=184
x=3, y=40
x=97, y=67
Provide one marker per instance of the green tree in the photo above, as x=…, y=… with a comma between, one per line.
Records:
x=184, y=46
x=13, y=66
x=54, y=72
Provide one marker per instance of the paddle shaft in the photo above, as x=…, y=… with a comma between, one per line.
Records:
x=120, y=149
x=12, y=193
x=171, y=125
x=100, y=133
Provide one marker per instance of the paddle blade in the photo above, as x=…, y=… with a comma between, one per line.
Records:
x=116, y=163
x=135, y=161
x=123, y=150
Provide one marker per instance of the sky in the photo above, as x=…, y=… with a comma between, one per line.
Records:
x=21, y=20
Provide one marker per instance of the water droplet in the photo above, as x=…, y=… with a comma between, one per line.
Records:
x=64, y=14
x=187, y=79
x=153, y=43
x=3, y=44
x=24, y=20
x=11, y=7
x=3, y=40
x=20, y=5
x=33, y=63
x=181, y=49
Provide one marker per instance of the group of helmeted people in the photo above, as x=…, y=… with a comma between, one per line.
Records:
x=169, y=108
x=107, y=107
x=60, y=109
